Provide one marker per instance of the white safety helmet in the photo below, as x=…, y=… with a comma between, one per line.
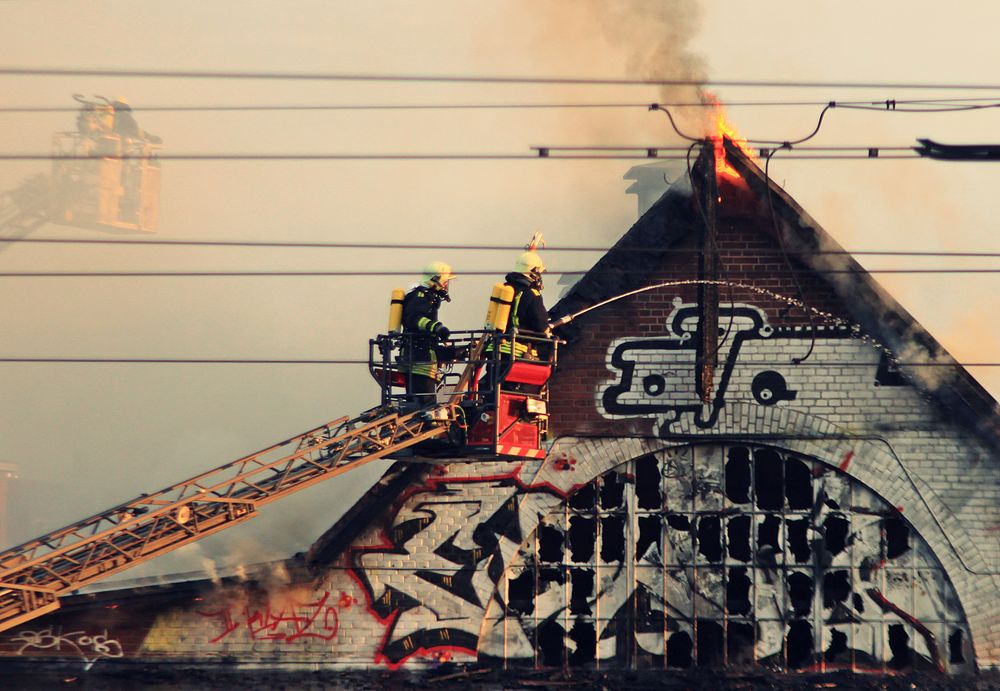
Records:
x=437, y=275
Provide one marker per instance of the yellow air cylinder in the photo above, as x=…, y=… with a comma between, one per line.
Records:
x=396, y=310
x=491, y=310
x=505, y=300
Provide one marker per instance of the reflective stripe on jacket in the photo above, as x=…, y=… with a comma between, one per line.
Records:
x=420, y=321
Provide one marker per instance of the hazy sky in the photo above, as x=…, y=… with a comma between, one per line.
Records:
x=89, y=436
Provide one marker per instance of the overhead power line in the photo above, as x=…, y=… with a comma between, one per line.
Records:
x=477, y=79
x=463, y=247
x=494, y=272
x=540, y=153
x=276, y=361
x=284, y=157
x=897, y=105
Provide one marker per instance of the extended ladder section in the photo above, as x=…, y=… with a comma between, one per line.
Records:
x=35, y=574
x=24, y=208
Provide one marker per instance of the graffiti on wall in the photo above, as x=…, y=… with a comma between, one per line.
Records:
x=82, y=645
x=704, y=555
x=430, y=564
x=657, y=377
x=727, y=556
x=290, y=621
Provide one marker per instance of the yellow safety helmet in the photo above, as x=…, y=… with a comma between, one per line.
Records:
x=529, y=263
x=437, y=275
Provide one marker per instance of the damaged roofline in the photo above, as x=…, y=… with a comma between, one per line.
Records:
x=871, y=306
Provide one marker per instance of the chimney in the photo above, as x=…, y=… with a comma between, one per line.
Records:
x=651, y=181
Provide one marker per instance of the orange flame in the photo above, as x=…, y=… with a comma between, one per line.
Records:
x=724, y=129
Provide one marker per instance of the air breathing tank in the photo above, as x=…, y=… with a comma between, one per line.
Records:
x=500, y=302
x=491, y=310
x=396, y=310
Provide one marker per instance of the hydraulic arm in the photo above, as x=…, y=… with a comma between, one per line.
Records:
x=35, y=574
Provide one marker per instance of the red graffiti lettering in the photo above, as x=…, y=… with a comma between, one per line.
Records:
x=228, y=625
x=313, y=620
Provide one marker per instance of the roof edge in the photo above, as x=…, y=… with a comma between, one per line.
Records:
x=871, y=305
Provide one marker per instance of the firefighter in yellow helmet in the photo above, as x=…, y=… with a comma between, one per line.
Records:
x=426, y=334
x=527, y=310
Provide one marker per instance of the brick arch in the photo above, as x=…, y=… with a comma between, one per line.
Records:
x=574, y=462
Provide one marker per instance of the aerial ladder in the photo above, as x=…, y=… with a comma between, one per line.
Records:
x=106, y=172
x=24, y=208
x=101, y=178
x=490, y=418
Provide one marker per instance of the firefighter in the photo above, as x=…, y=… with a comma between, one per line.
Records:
x=94, y=123
x=527, y=311
x=125, y=125
x=424, y=348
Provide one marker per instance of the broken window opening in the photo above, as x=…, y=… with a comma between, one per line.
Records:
x=710, y=537
x=799, y=644
x=798, y=484
x=738, y=537
x=550, y=543
x=679, y=647
x=612, y=539
x=581, y=590
x=798, y=539
x=612, y=491
x=897, y=536
x=647, y=483
x=551, y=643
x=582, y=536
x=738, y=475
x=783, y=577
x=768, y=477
x=955, y=654
x=584, y=635
x=835, y=531
x=583, y=498
x=836, y=587
x=650, y=528
x=738, y=591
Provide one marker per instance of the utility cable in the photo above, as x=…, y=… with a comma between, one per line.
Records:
x=495, y=272
x=784, y=250
x=680, y=133
x=894, y=108
x=541, y=153
x=777, y=231
x=684, y=135
x=463, y=247
x=477, y=79
x=322, y=361
x=789, y=144
x=654, y=147
x=931, y=106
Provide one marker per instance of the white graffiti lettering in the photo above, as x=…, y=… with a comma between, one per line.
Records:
x=90, y=648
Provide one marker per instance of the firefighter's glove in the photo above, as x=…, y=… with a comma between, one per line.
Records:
x=442, y=332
